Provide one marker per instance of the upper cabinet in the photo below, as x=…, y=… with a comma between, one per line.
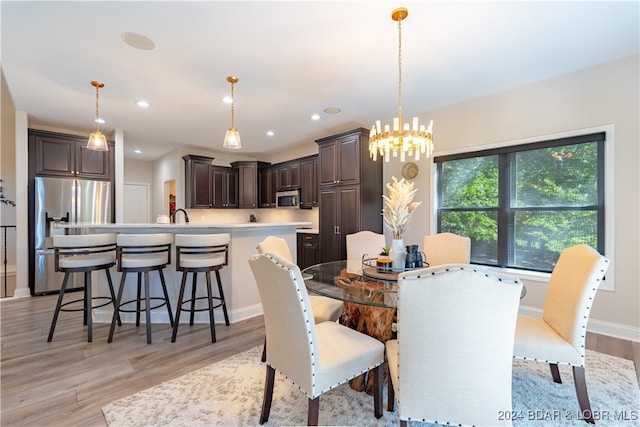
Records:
x=248, y=183
x=268, y=182
x=309, y=182
x=197, y=181
x=62, y=155
x=339, y=158
x=224, y=187
x=289, y=175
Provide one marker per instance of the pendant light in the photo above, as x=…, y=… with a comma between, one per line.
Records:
x=405, y=139
x=97, y=140
x=232, y=137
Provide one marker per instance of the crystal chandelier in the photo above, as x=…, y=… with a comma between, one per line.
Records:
x=408, y=139
x=232, y=137
x=97, y=140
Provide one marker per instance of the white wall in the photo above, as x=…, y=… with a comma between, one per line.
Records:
x=602, y=95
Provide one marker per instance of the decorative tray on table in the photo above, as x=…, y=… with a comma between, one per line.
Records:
x=381, y=269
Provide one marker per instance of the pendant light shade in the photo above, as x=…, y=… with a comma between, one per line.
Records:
x=232, y=137
x=97, y=140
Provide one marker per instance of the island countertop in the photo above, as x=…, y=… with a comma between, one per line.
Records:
x=190, y=225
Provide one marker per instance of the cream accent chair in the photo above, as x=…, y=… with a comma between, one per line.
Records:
x=315, y=357
x=446, y=248
x=360, y=244
x=323, y=308
x=559, y=336
x=451, y=363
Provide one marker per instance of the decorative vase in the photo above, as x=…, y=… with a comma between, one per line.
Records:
x=397, y=254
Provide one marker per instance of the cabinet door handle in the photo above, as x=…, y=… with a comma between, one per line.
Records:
x=338, y=229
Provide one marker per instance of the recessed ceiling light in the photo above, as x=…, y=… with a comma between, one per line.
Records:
x=270, y=133
x=227, y=100
x=332, y=110
x=137, y=151
x=138, y=41
x=99, y=120
x=315, y=117
x=142, y=103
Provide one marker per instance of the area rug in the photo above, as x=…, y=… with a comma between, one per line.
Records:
x=229, y=393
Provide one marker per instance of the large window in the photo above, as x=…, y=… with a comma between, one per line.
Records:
x=522, y=205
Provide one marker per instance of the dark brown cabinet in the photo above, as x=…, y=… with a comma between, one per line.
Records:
x=268, y=177
x=309, y=182
x=308, y=246
x=197, y=181
x=248, y=183
x=224, y=187
x=289, y=175
x=350, y=191
x=340, y=158
x=64, y=155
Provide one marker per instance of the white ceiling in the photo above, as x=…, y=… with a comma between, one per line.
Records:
x=292, y=58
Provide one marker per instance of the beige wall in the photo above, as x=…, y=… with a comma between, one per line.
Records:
x=8, y=176
x=598, y=96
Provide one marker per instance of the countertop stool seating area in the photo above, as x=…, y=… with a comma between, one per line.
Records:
x=142, y=254
x=324, y=308
x=83, y=254
x=201, y=253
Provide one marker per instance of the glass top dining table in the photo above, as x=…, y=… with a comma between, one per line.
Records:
x=355, y=282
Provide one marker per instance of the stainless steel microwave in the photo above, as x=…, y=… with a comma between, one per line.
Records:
x=288, y=199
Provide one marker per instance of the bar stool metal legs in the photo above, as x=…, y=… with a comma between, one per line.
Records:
x=142, y=254
x=83, y=254
x=201, y=254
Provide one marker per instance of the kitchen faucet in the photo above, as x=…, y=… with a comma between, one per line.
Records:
x=186, y=217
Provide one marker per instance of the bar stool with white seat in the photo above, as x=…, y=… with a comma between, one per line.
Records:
x=201, y=253
x=142, y=253
x=83, y=254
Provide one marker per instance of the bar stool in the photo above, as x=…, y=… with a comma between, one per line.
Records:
x=83, y=254
x=197, y=253
x=142, y=253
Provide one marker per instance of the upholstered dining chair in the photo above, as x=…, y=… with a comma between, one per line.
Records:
x=362, y=243
x=455, y=368
x=559, y=336
x=446, y=248
x=315, y=357
x=323, y=308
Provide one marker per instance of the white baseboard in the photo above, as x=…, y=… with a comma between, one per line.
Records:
x=601, y=327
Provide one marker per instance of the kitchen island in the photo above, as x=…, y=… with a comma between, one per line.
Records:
x=241, y=293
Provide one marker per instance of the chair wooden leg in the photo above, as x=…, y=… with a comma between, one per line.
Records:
x=378, y=383
x=179, y=308
x=268, y=394
x=212, y=323
x=314, y=410
x=555, y=373
x=583, y=397
x=391, y=395
x=58, y=306
x=264, y=351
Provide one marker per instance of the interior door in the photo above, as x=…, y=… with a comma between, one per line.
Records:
x=136, y=202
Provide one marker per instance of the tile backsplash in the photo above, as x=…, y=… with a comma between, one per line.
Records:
x=239, y=216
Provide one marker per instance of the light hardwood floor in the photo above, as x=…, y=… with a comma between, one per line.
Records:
x=67, y=381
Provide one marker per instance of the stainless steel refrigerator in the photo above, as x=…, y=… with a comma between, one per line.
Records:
x=63, y=200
